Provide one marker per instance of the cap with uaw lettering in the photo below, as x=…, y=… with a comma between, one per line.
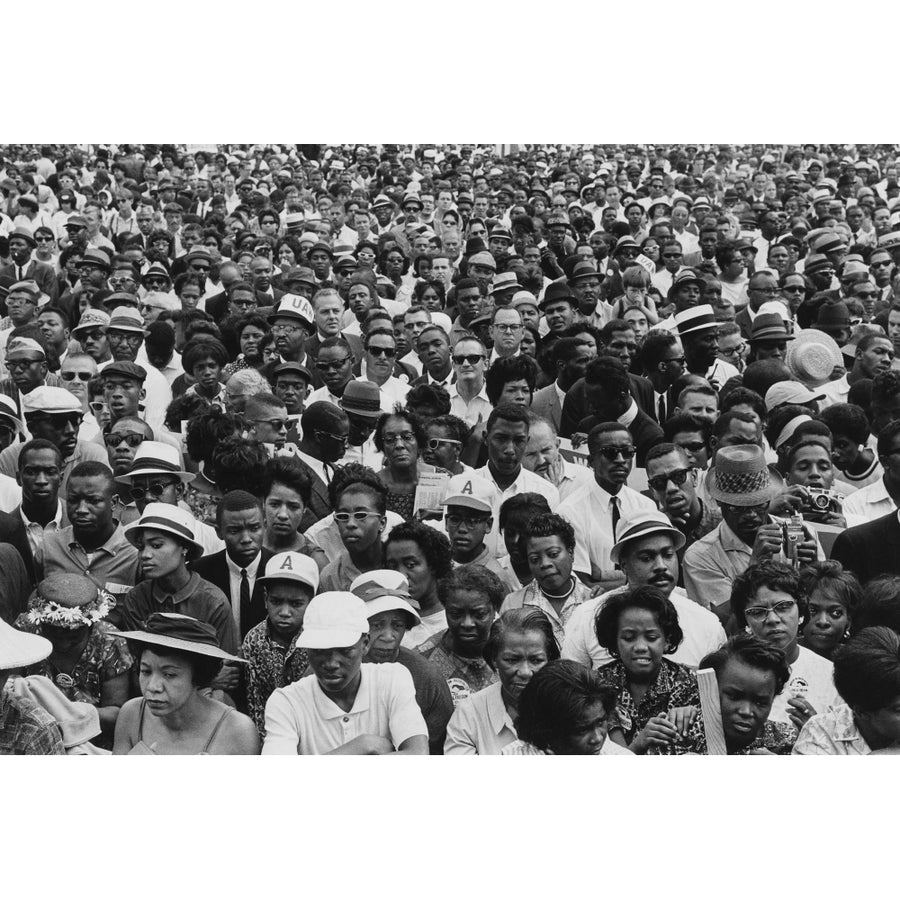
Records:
x=291, y=566
x=470, y=491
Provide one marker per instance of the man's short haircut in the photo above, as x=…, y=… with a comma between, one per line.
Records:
x=703, y=389
x=258, y=404
x=598, y=432
x=741, y=396
x=776, y=576
x=722, y=425
x=93, y=468
x=761, y=374
x=321, y=416
x=340, y=342
x=563, y=349
x=33, y=446
x=474, y=578
x=376, y=332
x=504, y=370
x=654, y=348
x=507, y=412
x=847, y=420
x=237, y=501
x=663, y=449
x=751, y=651
x=290, y=472
x=609, y=372
x=613, y=326
x=867, y=340
x=885, y=388
x=886, y=437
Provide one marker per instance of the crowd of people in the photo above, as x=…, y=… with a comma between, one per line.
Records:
x=450, y=449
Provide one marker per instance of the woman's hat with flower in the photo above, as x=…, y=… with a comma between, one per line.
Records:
x=68, y=600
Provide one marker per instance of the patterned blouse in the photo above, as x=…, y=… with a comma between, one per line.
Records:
x=104, y=657
x=777, y=737
x=271, y=666
x=674, y=686
x=464, y=676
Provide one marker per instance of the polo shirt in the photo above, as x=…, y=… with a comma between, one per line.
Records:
x=523, y=748
x=302, y=720
x=590, y=514
x=198, y=598
x=480, y=725
x=113, y=565
x=703, y=632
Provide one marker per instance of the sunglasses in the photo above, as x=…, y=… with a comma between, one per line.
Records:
x=154, y=489
x=344, y=517
x=388, y=352
x=274, y=424
x=795, y=289
x=341, y=439
x=125, y=437
x=435, y=443
x=97, y=406
x=335, y=366
x=16, y=365
x=58, y=420
x=613, y=453
x=81, y=376
x=678, y=478
x=471, y=358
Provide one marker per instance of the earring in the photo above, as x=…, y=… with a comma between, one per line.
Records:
x=747, y=629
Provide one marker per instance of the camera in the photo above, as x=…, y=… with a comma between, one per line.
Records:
x=821, y=501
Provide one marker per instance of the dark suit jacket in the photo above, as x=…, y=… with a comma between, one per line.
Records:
x=41, y=273
x=214, y=569
x=545, y=404
x=746, y=324
x=575, y=407
x=644, y=432
x=424, y=379
x=868, y=550
x=354, y=340
x=12, y=531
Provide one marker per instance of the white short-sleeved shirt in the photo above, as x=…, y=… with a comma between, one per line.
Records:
x=523, y=748
x=302, y=720
x=480, y=725
x=812, y=679
x=703, y=632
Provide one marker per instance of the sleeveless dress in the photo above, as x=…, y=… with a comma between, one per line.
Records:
x=142, y=749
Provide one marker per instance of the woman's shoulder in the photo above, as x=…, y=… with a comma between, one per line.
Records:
x=237, y=734
x=127, y=725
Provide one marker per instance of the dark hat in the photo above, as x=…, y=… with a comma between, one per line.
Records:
x=362, y=398
x=583, y=269
x=95, y=258
x=25, y=234
x=833, y=314
x=286, y=368
x=300, y=275
x=626, y=243
x=770, y=327
x=126, y=370
x=321, y=245
x=557, y=291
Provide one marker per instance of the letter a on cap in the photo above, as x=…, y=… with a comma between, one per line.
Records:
x=467, y=488
x=286, y=564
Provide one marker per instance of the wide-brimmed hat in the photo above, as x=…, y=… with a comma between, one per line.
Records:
x=685, y=277
x=291, y=566
x=583, y=269
x=832, y=314
x=9, y=413
x=522, y=298
x=559, y=290
x=19, y=649
x=156, y=458
x=504, y=282
x=95, y=258
x=178, y=632
x=92, y=318
x=641, y=525
x=51, y=400
x=384, y=590
x=300, y=275
x=293, y=306
x=170, y=519
x=68, y=600
x=126, y=318
x=740, y=476
x=812, y=357
x=333, y=619
x=697, y=318
x=25, y=234
x=769, y=327
x=483, y=258
x=362, y=398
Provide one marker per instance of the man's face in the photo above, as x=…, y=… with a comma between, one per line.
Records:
x=89, y=504
x=123, y=395
x=290, y=335
x=94, y=342
x=506, y=331
x=875, y=359
x=359, y=534
x=335, y=366
x=506, y=443
x=587, y=290
x=242, y=302
x=20, y=305
x=651, y=561
x=270, y=426
x=746, y=695
x=701, y=348
x=467, y=529
x=40, y=476
x=468, y=361
x=664, y=474
x=123, y=345
x=468, y=303
x=27, y=369
x=19, y=250
x=708, y=242
x=261, y=272
x=623, y=344
x=560, y=314
x=433, y=349
x=242, y=532
x=541, y=452
x=339, y=667
x=612, y=473
x=328, y=315
x=414, y=323
x=380, y=355
x=745, y=521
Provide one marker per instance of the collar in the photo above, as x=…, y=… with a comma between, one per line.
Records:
x=454, y=392
x=629, y=415
x=497, y=714
x=328, y=709
x=111, y=546
x=57, y=519
x=729, y=540
x=179, y=596
x=235, y=569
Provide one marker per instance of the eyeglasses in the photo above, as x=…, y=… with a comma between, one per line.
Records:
x=613, y=453
x=15, y=365
x=154, y=489
x=794, y=289
x=678, y=478
x=387, y=352
x=129, y=337
x=44, y=240
x=885, y=264
x=508, y=329
x=761, y=613
x=283, y=328
x=407, y=437
x=471, y=358
x=343, y=517
x=675, y=359
x=435, y=443
x=127, y=437
x=454, y=520
x=866, y=295
x=335, y=366
x=340, y=438
x=733, y=351
x=57, y=420
x=97, y=406
x=274, y=424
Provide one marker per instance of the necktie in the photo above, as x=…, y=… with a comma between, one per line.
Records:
x=245, y=596
x=21, y=273
x=661, y=409
x=614, y=510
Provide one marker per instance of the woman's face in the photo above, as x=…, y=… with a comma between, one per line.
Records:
x=160, y=553
x=250, y=338
x=550, y=562
x=190, y=296
x=640, y=643
x=386, y=631
x=828, y=623
x=283, y=511
x=286, y=257
x=166, y=682
x=775, y=627
x=407, y=558
x=431, y=300
x=393, y=265
x=469, y=618
x=587, y=736
x=528, y=345
x=520, y=655
x=651, y=250
x=884, y=723
x=400, y=445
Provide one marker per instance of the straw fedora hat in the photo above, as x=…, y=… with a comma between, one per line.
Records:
x=740, y=476
x=812, y=357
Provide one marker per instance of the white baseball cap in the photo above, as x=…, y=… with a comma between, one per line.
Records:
x=470, y=491
x=292, y=566
x=333, y=619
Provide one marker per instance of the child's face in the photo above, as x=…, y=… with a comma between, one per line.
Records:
x=466, y=529
x=206, y=372
x=286, y=603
